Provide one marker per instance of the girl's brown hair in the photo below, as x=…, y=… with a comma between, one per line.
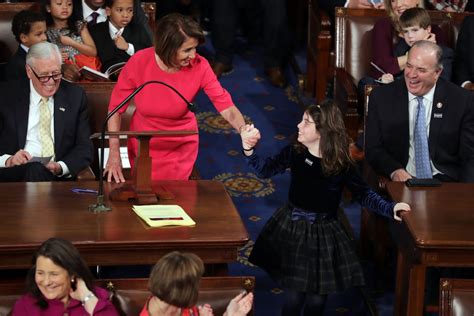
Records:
x=175, y=279
x=171, y=32
x=334, y=142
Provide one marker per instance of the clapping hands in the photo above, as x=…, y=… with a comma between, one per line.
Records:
x=240, y=305
x=205, y=310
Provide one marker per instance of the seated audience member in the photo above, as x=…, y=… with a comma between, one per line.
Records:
x=464, y=57
x=69, y=34
x=29, y=28
x=386, y=34
x=93, y=12
x=43, y=117
x=60, y=283
x=398, y=144
x=416, y=26
x=117, y=39
x=174, y=283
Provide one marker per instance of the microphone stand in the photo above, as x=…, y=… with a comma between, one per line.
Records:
x=100, y=206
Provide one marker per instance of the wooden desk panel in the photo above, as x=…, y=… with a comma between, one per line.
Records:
x=33, y=212
x=439, y=231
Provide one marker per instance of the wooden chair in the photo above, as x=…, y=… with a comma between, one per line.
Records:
x=353, y=46
x=375, y=239
x=456, y=297
x=318, y=55
x=130, y=295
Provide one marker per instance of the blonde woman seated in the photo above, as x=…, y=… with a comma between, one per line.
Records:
x=174, y=283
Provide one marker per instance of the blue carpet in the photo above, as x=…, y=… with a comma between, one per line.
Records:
x=275, y=112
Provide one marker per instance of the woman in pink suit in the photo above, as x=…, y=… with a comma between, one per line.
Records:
x=60, y=283
x=173, y=61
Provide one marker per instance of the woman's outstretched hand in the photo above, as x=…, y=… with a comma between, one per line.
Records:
x=250, y=136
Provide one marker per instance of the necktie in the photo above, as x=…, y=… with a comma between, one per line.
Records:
x=422, y=155
x=47, y=146
x=93, y=21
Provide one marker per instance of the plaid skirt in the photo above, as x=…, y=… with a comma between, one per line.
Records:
x=313, y=257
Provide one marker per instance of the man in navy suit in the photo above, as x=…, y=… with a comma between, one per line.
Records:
x=26, y=131
x=449, y=122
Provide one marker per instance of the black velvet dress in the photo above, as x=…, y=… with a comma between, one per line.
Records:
x=311, y=253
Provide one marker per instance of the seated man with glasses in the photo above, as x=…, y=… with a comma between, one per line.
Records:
x=44, y=126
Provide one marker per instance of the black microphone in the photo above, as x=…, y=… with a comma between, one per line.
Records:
x=100, y=205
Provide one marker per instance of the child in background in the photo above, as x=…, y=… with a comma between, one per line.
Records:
x=416, y=26
x=71, y=36
x=303, y=246
x=117, y=39
x=29, y=28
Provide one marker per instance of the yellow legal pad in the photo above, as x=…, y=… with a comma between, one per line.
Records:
x=163, y=215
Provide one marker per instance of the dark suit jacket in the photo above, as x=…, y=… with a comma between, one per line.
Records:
x=464, y=56
x=451, y=134
x=71, y=123
x=15, y=68
x=108, y=53
x=139, y=16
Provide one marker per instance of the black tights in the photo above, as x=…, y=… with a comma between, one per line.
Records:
x=312, y=304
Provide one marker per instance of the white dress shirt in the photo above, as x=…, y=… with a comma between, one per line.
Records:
x=87, y=11
x=114, y=32
x=25, y=48
x=412, y=110
x=33, y=143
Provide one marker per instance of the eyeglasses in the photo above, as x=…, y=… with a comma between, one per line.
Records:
x=46, y=78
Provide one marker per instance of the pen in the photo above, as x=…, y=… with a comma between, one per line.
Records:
x=165, y=218
x=378, y=68
x=79, y=190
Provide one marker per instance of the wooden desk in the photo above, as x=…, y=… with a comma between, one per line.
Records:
x=438, y=232
x=32, y=212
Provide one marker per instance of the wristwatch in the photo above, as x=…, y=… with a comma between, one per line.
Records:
x=87, y=297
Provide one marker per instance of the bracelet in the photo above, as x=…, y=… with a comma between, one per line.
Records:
x=87, y=298
x=250, y=149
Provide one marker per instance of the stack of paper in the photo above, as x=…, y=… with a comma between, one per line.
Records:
x=163, y=215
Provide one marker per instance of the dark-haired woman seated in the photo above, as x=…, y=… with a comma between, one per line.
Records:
x=60, y=283
x=174, y=283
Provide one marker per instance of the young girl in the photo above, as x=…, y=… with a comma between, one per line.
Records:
x=303, y=246
x=71, y=36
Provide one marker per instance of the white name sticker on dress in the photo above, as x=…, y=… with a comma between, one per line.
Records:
x=309, y=162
